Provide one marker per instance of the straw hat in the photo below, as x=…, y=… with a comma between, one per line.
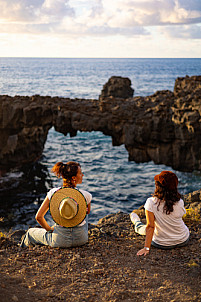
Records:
x=68, y=207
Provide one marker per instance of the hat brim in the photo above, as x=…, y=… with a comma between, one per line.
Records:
x=55, y=201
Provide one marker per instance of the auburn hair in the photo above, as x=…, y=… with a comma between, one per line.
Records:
x=66, y=171
x=169, y=197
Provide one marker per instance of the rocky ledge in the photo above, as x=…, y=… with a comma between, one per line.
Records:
x=106, y=268
x=164, y=127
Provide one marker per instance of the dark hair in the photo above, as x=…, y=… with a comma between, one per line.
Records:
x=66, y=171
x=169, y=197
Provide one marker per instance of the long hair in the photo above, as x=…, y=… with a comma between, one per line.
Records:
x=66, y=171
x=169, y=197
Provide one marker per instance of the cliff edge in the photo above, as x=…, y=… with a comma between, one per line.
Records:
x=106, y=268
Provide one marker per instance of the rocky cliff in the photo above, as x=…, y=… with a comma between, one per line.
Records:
x=164, y=127
x=105, y=269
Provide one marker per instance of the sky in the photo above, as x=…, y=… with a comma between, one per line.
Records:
x=100, y=28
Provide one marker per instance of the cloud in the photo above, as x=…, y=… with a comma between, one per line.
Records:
x=157, y=12
x=183, y=32
x=99, y=17
x=105, y=31
x=34, y=10
x=97, y=9
x=13, y=10
x=194, y=5
x=57, y=9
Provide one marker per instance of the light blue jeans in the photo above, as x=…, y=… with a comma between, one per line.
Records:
x=60, y=237
x=140, y=228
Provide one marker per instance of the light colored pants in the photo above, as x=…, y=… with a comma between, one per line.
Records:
x=140, y=228
x=60, y=237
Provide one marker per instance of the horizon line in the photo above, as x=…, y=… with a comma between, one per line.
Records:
x=38, y=57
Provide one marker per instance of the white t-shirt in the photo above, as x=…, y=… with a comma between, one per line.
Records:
x=169, y=229
x=86, y=194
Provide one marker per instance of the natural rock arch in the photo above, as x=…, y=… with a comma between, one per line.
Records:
x=164, y=127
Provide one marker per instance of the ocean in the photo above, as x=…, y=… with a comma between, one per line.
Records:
x=115, y=183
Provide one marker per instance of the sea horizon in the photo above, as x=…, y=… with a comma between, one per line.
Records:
x=105, y=58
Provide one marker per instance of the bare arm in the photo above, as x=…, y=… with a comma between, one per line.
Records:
x=41, y=213
x=149, y=233
x=88, y=208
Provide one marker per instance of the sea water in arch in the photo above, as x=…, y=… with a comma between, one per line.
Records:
x=115, y=183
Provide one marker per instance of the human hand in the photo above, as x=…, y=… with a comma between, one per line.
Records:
x=51, y=229
x=142, y=252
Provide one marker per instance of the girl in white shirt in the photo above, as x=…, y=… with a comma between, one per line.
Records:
x=165, y=228
x=58, y=235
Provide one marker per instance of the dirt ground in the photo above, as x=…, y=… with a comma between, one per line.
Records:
x=105, y=269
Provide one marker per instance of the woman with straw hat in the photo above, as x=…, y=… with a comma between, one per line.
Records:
x=69, y=208
x=165, y=228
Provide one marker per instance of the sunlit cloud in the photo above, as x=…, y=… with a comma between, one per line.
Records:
x=99, y=15
x=34, y=11
x=80, y=20
x=158, y=12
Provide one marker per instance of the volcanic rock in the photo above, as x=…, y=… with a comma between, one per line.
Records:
x=164, y=128
x=117, y=87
